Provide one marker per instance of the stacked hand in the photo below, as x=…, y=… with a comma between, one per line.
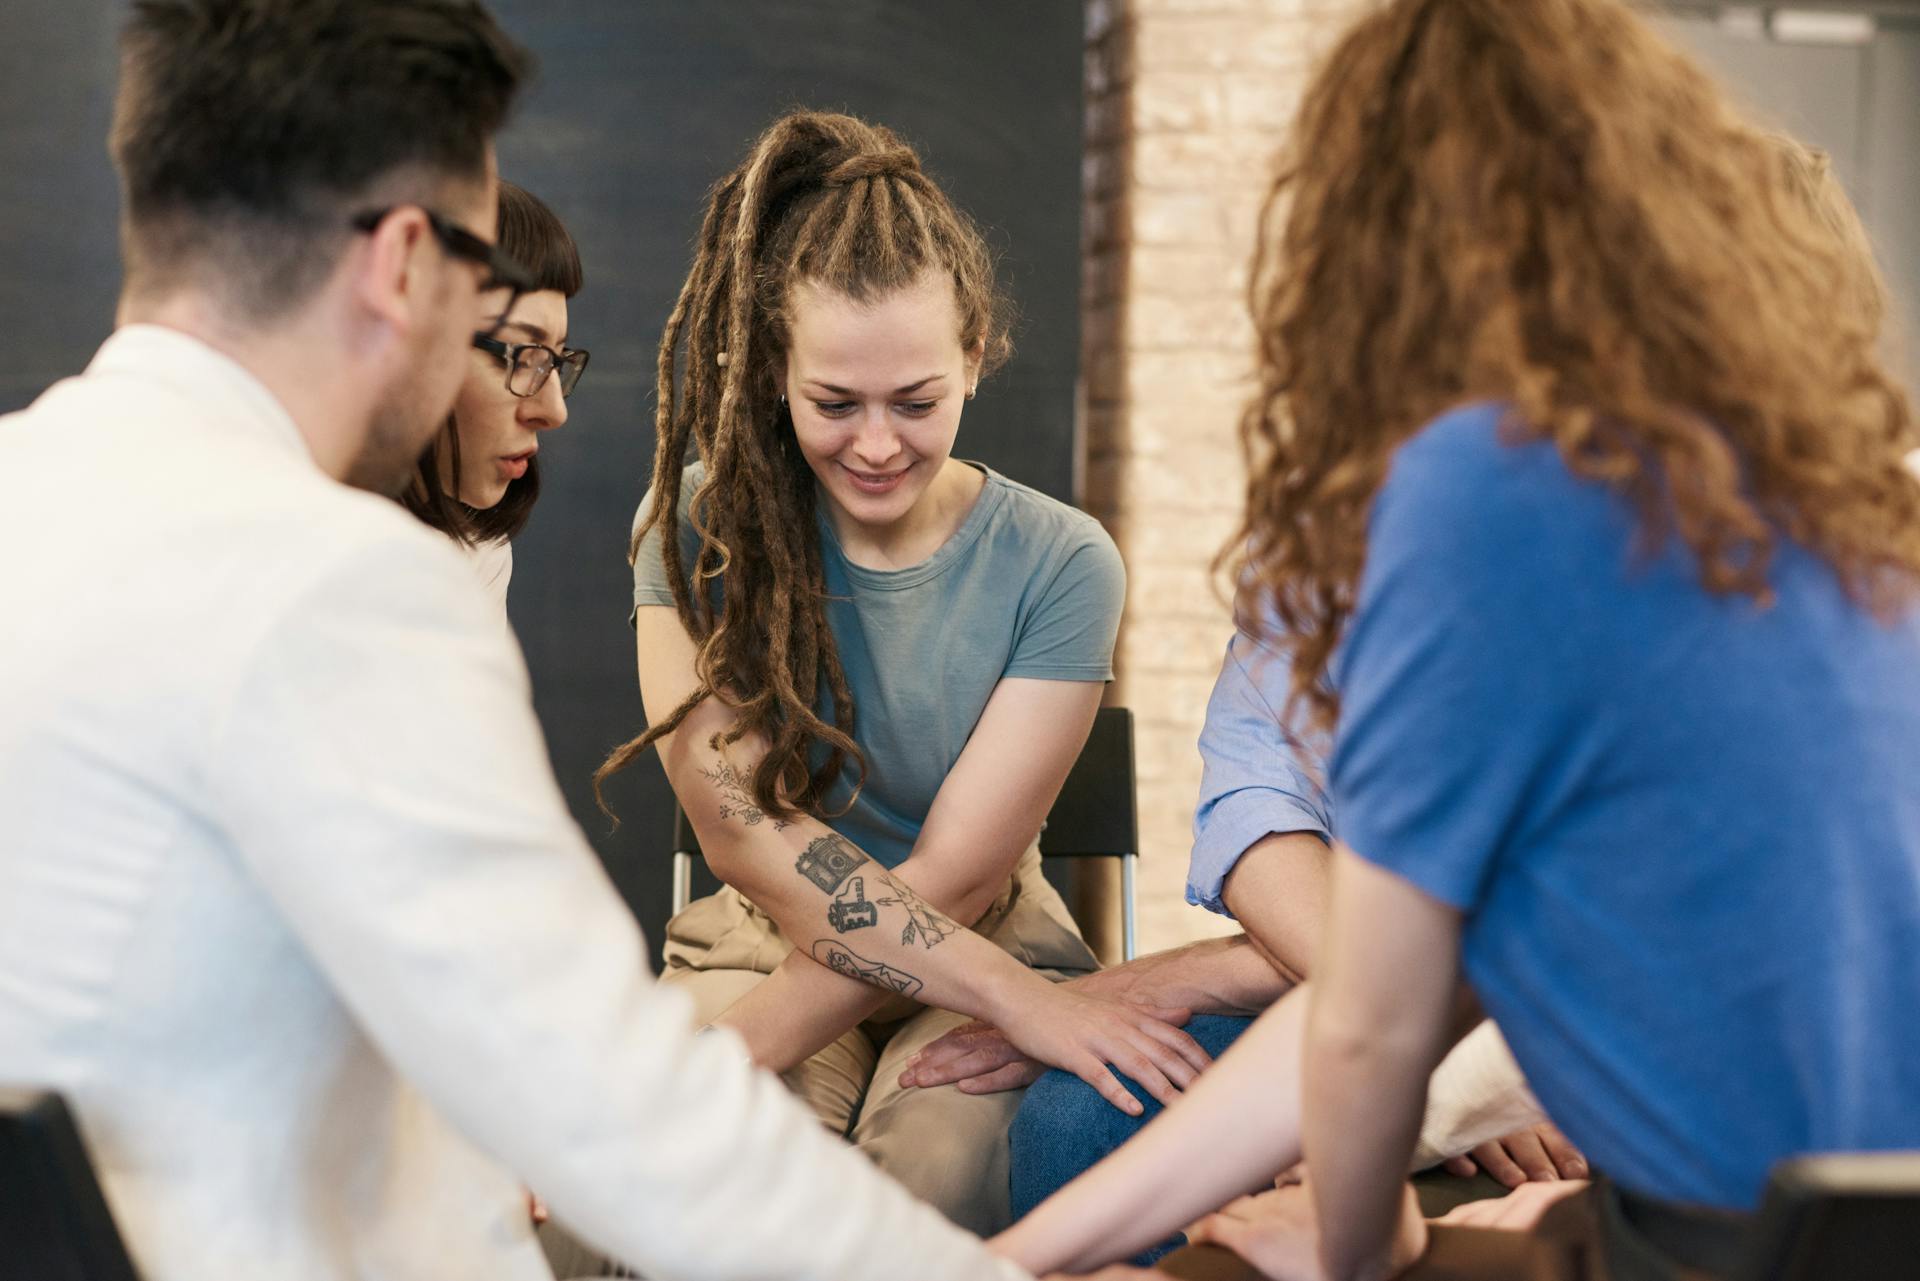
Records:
x=1518, y=1211
x=1083, y=1034
x=1277, y=1233
x=982, y=1059
x=977, y=1057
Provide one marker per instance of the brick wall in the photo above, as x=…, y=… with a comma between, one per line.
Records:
x=1186, y=104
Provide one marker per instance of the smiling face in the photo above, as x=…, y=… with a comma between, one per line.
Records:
x=875, y=390
x=499, y=431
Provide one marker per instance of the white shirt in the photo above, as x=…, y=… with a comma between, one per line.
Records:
x=492, y=565
x=291, y=909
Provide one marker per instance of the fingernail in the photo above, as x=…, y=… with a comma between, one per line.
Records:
x=1578, y=1169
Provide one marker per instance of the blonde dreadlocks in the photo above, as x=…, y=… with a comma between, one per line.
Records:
x=843, y=204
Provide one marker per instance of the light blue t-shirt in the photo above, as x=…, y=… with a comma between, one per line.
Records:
x=1684, y=830
x=1026, y=587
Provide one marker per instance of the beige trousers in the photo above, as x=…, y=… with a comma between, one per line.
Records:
x=948, y=1148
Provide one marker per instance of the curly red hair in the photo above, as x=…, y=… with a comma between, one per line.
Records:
x=1541, y=203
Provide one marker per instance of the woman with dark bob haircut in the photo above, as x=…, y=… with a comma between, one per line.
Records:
x=478, y=481
x=1576, y=497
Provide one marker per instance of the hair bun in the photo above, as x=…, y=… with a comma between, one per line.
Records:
x=892, y=162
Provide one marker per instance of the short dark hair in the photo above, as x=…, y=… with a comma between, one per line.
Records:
x=245, y=129
x=533, y=236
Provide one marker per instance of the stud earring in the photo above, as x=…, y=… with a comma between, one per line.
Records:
x=973, y=389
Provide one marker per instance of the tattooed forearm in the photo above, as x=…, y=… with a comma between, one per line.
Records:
x=736, y=798
x=924, y=925
x=841, y=959
x=829, y=861
x=851, y=911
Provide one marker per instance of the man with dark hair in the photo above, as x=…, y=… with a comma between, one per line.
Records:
x=291, y=910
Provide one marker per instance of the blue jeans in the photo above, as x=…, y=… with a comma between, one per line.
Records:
x=1064, y=1127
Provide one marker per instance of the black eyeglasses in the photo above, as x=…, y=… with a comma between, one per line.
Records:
x=529, y=363
x=502, y=271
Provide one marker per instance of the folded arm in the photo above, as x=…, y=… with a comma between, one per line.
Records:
x=867, y=933
x=983, y=819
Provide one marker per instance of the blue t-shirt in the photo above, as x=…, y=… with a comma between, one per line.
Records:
x=1684, y=831
x=1026, y=587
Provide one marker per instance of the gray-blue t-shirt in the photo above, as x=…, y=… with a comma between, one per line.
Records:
x=1026, y=587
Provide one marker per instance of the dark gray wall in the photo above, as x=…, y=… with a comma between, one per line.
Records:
x=59, y=261
x=638, y=109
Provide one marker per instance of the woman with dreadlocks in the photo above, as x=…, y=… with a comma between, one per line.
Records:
x=867, y=664
x=1575, y=490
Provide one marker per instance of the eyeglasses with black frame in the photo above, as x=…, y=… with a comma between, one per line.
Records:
x=502, y=271
x=529, y=364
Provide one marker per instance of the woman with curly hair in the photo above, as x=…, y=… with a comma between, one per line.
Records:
x=1576, y=496
x=869, y=664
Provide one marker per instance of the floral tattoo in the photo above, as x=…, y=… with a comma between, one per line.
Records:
x=736, y=801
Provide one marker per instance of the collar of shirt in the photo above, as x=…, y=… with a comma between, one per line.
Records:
x=224, y=389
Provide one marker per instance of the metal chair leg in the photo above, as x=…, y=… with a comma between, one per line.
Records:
x=1126, y=906
x=682, y=881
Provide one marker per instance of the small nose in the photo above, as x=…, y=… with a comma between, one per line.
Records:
x=546, y=409
x=876, y=443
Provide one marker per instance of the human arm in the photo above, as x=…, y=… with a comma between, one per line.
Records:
x=1277, y=888
x=1230, y=1133
x=382, y=779
x=982, y=819
x=1386, y=1007
x=1261, y=778
x=1464, y=675
x=1478, y=1106
x=1259, y=854
x=882, y=933
x=1257, y=778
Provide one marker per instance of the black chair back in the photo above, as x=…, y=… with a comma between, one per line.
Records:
x=54, y=1224
x=1840, y=1217
x=1096, y=814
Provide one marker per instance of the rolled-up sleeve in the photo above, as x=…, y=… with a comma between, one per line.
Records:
x=1257, y=778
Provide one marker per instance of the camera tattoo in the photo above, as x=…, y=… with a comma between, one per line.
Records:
x=735, y=800
x=829, y=861
x=851, y=911
x=842, y=959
